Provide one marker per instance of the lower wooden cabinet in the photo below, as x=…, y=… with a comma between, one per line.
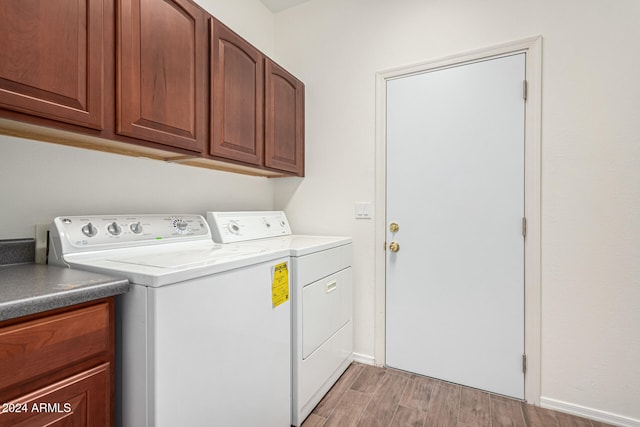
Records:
x=57, y=368
x=80, y=400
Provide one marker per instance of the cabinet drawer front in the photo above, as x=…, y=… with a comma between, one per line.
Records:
x=41, y=346
x=77, y=401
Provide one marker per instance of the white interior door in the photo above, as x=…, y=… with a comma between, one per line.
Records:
x=455, y=187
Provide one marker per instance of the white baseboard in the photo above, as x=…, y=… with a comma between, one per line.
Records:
x=364, y=358
x=594, y=414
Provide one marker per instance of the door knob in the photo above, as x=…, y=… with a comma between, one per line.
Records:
x=394, y=227
x=394, y=247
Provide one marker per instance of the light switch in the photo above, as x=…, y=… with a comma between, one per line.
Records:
x=364, y=210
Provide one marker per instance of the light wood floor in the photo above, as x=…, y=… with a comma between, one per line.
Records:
x=368, y=396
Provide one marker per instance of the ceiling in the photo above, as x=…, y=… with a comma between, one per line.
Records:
x=279, y=5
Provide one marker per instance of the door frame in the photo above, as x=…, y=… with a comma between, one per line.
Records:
x=532, y=48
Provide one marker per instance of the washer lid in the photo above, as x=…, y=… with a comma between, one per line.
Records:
x=174, y=263
x=187, y=258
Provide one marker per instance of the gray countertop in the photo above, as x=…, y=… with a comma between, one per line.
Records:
x=34, y=288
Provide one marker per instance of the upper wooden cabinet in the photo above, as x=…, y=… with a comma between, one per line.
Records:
x=284, y=120
x=154, y=78
x=51, y=59
x=162, y=72
x=237, y=105
x=257, y=108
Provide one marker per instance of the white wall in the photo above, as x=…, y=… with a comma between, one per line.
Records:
x=39, y=181
x=590, y=162
x=249, y=18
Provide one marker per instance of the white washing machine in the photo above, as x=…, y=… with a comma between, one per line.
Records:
x=321, y=293
x=204, y=333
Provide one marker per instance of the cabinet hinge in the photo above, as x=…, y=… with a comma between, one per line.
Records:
x=524, y=227
x=524, y=89
x=524, y=363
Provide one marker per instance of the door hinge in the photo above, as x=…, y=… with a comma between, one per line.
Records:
x=384, y=246
x=524, y=227
x=524, y=89
x=524, y=363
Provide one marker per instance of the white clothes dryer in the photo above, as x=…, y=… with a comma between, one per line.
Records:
x=321, y=294
x=202, y=340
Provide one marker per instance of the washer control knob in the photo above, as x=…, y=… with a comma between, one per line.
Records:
x=114, y=229
x=89, y=230
x=136, y=227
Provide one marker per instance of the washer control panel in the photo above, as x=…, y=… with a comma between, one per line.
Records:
x=98, y=230
x=230, y=227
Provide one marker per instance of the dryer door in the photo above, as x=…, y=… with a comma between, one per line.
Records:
x=326, y=307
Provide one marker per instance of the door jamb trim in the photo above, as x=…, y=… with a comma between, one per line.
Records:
x=532, y=47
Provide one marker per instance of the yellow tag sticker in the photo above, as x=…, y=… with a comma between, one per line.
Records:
x=280, y=284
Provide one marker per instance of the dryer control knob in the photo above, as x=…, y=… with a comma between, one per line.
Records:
x=136, y=227
x=233, y=227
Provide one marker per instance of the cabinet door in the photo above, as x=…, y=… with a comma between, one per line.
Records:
x=51, y=59
x=284, y=120
x=77, y=401
x=236, y=96
x=161, y=72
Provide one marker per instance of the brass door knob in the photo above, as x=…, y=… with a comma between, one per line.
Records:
x=394, y=247
x=394, y=227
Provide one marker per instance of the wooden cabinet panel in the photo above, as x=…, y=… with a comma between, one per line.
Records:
x=51, y=59
x=284, y=120
x=34, y=348
x=57, y=367
x=76, y=401
x=236, y=97
x=161, y=72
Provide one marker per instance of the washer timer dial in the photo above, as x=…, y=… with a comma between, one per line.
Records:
x=181, y=226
